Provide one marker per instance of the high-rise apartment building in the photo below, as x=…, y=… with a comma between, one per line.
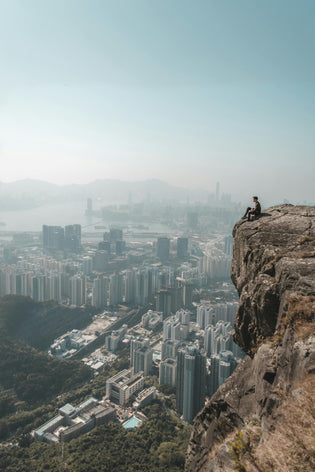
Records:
x=187, y=291
x=57, y=238
x=53, y=238
x=73, y=238
x=115, y=289
x=169, y=349
x=167, y=374
x=130, y=286
x=182, y=248
x=99, y=292
x=163, y=249
x=190, y=381
x=77, y=287
x=38, y=288
x=142, y=287
x=115, y=234
x=214, y=374
x=205, y=315
x=164, y=302
x=142, y=360
x=137, y=343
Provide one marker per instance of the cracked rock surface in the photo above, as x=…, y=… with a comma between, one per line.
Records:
x=273, y=270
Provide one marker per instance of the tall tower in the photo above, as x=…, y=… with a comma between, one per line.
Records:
x=130, y=286
x=167, y=374
x=182, y=248
x=73, y=237
x=77, y=290
x=135, y=345
x=143, y=360
x=115, y=289
x=190, y=381
x=163, y=248
x=142, y=287
x=99, y=292
x=53, y=238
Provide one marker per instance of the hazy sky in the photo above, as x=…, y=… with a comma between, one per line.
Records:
x=191, y=92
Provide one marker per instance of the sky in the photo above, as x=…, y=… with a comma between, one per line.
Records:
x=191, y=92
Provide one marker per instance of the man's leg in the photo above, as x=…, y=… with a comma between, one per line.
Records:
x=252, y=212
x=247, y=210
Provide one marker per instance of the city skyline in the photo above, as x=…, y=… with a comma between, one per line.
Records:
x=189, y=94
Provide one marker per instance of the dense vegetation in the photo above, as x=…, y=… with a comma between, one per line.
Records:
x=33, y=387
x=158, y=445
x=33, y=375
x=38, y=324
x=31, y=415
x=29, y=377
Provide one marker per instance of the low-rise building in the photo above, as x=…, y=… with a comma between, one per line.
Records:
x=74, y=421
x=146, y=397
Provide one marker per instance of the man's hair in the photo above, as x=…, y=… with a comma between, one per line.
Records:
x=256, y=198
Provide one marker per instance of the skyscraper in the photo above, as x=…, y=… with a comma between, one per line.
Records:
x=99, y=292
x=115, y=234
x=142, y=287
x=163, y=249
x=182, y=248
x=205, y=315
x=135, y=344
x=190, y=381
x=38, y=288
x=214, y=374
x=143, y=360
x=130, y=286
x=169, y=349
x=73, y=238
x=53, y=238
x=167, y=374
x=115, y=289
x=164, y=302
x=77, y=288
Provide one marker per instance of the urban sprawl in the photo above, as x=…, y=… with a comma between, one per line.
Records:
x=177, y=283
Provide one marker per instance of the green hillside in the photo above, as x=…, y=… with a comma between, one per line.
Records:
x=39, y=323
x=29, y=377
x=159, y=445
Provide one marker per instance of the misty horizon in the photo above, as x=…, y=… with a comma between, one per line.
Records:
x=141, y=90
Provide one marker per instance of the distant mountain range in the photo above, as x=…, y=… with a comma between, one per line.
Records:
x=29, y=193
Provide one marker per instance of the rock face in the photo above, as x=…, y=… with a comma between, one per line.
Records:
x=262, y=418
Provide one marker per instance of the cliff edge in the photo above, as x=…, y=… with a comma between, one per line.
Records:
x=263, y=417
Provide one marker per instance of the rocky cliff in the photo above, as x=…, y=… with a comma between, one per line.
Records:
x=262, y=418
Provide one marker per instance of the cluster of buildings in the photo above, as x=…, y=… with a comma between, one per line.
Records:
x=108, y=273
x=192, y=355
x=69, y=343
x=72, y=421
x=57, y=238
x=196, y=357
x=75, y=340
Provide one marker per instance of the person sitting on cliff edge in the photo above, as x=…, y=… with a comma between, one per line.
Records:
x=253, y=211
